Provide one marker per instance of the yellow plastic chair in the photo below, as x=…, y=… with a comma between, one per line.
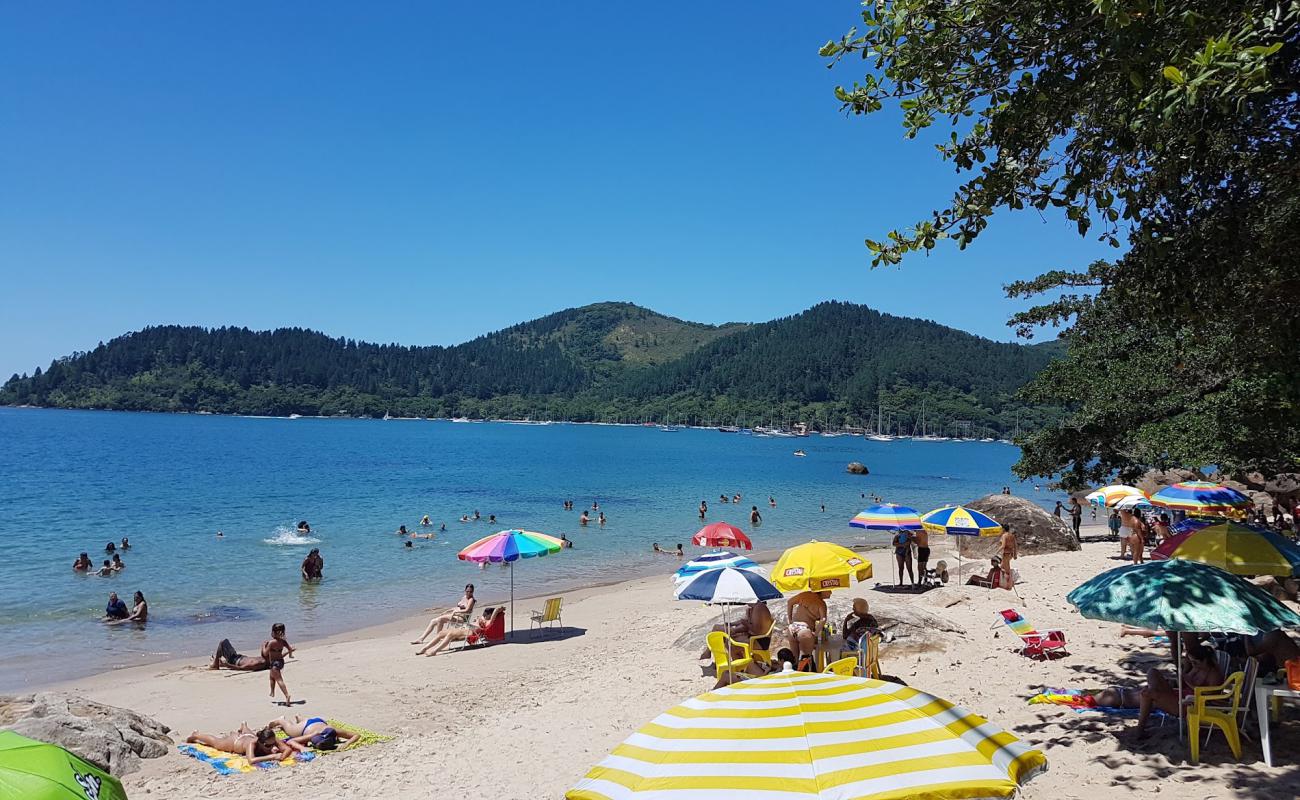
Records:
x=721, y=646
x=549, y=614
x=871, y=660
x=1205, y=711
x=762, y=655
x=845, y=666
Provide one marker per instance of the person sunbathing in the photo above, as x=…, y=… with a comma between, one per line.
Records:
x=457, y=616
x=314, y=732
x=993, y=579
x=227, y=657
x=1200, y=668
x=459, y=633
x=256, y=746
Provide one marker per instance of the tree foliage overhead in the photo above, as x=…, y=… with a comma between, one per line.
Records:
x=834, y=364
x=1166, y=128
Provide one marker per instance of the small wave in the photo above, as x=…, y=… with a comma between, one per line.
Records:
x=290, y=536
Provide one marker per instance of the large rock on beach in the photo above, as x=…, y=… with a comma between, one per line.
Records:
x=112, y=738
x=858, y=468
x=1155, y=480
x=1036, y=530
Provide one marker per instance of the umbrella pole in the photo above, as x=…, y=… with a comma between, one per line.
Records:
x=726, y=626
x=1178, y=691
x=512, y=597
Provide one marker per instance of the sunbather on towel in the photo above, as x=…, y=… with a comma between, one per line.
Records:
x=456, y=633
x=255, y=746
x=314, y=732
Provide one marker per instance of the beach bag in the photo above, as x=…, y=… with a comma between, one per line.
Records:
x=1293, y=674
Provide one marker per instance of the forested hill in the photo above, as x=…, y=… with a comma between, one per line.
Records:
x=831, y=365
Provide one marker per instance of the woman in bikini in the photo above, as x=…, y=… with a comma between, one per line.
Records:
x=456, y=616
x=313, y=731
x=256, y=746
x=1200, y=668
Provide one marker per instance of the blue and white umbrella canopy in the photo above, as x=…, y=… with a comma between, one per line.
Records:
x=719, y=560
x=728, y=586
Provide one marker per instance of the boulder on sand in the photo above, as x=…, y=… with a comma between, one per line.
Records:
x=1036, y=530
x=1155, y=480
x=111, y=738
x=858, y=468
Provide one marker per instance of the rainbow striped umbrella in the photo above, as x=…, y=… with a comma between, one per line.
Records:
x=508, y=547
x=801, y=736
x=1202, y=498
x=1236, y=548
x=1108, y=496
x=887, y=517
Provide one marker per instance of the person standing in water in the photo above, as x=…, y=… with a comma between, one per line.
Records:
x=583, y=518
x=704, y=509
x=425, y=521
x=754, y=517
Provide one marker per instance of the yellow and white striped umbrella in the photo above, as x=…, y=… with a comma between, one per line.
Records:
x=799, y=735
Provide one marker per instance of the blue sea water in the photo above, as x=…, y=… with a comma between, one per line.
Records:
x=71, y=481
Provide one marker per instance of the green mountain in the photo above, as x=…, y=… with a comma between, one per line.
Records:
x=832, y=365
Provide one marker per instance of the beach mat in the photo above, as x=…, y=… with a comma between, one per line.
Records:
x=231, y=764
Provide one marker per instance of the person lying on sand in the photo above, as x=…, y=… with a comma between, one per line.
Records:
x=255, y=746
x=458, y=633
x=228, y=658
x=314, y=732
x=459, y=615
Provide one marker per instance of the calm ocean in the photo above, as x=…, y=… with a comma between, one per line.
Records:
x=71, y=481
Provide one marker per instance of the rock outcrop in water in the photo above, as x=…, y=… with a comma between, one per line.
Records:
x=112, y=738
x=1036, y=530
x=858, y=468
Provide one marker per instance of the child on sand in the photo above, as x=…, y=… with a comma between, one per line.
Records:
x=274, y=651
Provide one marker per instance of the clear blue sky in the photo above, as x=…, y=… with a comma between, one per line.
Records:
x=426, y=172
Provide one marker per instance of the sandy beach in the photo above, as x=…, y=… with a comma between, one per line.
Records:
x=527, y=718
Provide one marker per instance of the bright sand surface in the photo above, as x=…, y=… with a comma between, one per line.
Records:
x=526, y=719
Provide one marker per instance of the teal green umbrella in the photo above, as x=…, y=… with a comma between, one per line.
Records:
x=35, y=770
x=1180, y=595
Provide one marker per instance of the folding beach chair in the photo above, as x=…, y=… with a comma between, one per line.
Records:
x=493, y=633
x=549, y=614
x=1049, y=644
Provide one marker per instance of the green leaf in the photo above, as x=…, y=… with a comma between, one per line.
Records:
x=1173, y=74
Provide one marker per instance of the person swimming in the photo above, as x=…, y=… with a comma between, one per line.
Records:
x=110, y=547
x=583, y=519
x=601, y=518
x=118, y=566
x=425, y=521
x=303, y=527
x=83, y=563
x=401, y=530
x=126, y=543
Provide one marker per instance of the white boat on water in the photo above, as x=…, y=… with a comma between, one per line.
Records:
x=800, y=453
x=880, y=437
x=291, y=416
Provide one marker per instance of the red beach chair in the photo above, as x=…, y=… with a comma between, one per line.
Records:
x=494, y=632
x=1050, y=644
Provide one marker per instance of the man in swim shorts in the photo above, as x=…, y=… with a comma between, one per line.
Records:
x=229, y=658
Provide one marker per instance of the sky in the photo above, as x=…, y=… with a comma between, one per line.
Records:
x=426, y=172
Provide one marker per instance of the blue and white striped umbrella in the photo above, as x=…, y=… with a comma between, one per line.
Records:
x=719, y=560
x=727, y=586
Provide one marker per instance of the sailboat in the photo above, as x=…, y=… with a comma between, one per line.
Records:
x=879, y=435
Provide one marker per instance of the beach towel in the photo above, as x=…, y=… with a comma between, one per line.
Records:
x=231, y=764
x=364, y=737
x=1078, y=700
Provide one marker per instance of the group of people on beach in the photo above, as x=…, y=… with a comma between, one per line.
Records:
x=455, y=625
x=300, y=734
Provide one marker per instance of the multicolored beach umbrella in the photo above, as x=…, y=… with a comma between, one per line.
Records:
x=814, y=736
x=508, y=547
x=1108, y=496
x=720, y=534
x=887, y=517
x=960, y=521
x=1202, y=498
x=819, y=567
x=34, y=770
x=720, y=560
x=1236, y=548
